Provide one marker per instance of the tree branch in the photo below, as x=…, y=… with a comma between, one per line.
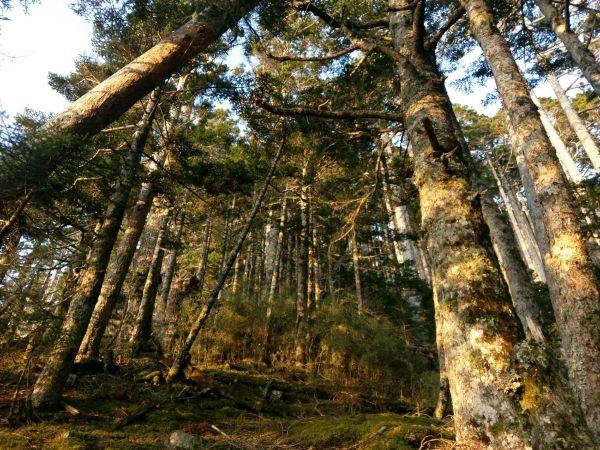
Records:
x=336, y=22
x=328, y=114
x=455, y=17
x=313, y=58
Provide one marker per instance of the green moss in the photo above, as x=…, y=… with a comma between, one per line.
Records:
x=364, y=431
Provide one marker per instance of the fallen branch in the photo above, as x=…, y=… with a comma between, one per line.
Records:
x=140, y=413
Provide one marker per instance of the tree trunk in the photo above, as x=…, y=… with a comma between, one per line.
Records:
x=564, y=157
x=274, y=279
x=171, y=264
x=183, y=354
x=111, y=98
x=142, y=328
x=50, y=384
x=513, y=269
x=581, y=54
x=302, y=272
x=477, y=327
x=9, y=251
x=119, y=267
x=585, y=137
x=528, y=246
x=356, y=266
x=571, y=282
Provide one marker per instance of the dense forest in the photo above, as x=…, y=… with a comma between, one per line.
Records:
x=264, y=224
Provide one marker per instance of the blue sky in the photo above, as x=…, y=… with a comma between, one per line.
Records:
x=51, y=36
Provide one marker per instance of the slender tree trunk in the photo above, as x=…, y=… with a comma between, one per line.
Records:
x=302, y=273
x=50, y=384
x=9, y=251
x=111, y=288
x=564, y=157
x=520, y=224
x=274, y=279
x=356, y=265
x=585, y=137
x=184, y=352
x=580, y=53
x=571, y=282
x=171, y=264
x=514, y=270
x=183, y=287
x=142, y=329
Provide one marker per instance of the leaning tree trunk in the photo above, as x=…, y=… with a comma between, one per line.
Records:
x=573, y=289
x=50, y=384
x=121, y=261
x=183, y=354
x=580, y=53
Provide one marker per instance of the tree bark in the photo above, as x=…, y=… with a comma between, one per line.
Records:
x=111, y=98
x=274, y=279
x=514, y=270
x=583, y=57
x=167, y=280
x=198, y=324
x=50, y=384
x=302, y=272
x=564, y=157
x=142, y=328
x=585, y=137
x=571, y=282
x=520, y=224
x=356, y=266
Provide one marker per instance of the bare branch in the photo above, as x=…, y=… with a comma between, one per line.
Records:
x=313, y=58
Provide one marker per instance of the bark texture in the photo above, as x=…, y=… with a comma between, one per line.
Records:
x=111, y=98
x=50, y=384
x=572, y=286
x=580, y=53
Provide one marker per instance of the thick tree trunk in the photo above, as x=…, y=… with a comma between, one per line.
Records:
x=142, y=328
x=580, y=53
x=477, y=328
x=184, y=352
x=513, y=269
x=585, y=137
x=571, y=282
x=111, y=98
x=50, y=384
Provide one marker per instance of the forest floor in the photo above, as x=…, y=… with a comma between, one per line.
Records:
x=232, y=406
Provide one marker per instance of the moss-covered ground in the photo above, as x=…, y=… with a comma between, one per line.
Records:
x=226, y=408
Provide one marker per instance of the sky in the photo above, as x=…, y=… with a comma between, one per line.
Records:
x=50, y=37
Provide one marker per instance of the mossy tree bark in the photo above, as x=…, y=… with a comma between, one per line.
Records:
x=573, y=289
x=50, y=384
